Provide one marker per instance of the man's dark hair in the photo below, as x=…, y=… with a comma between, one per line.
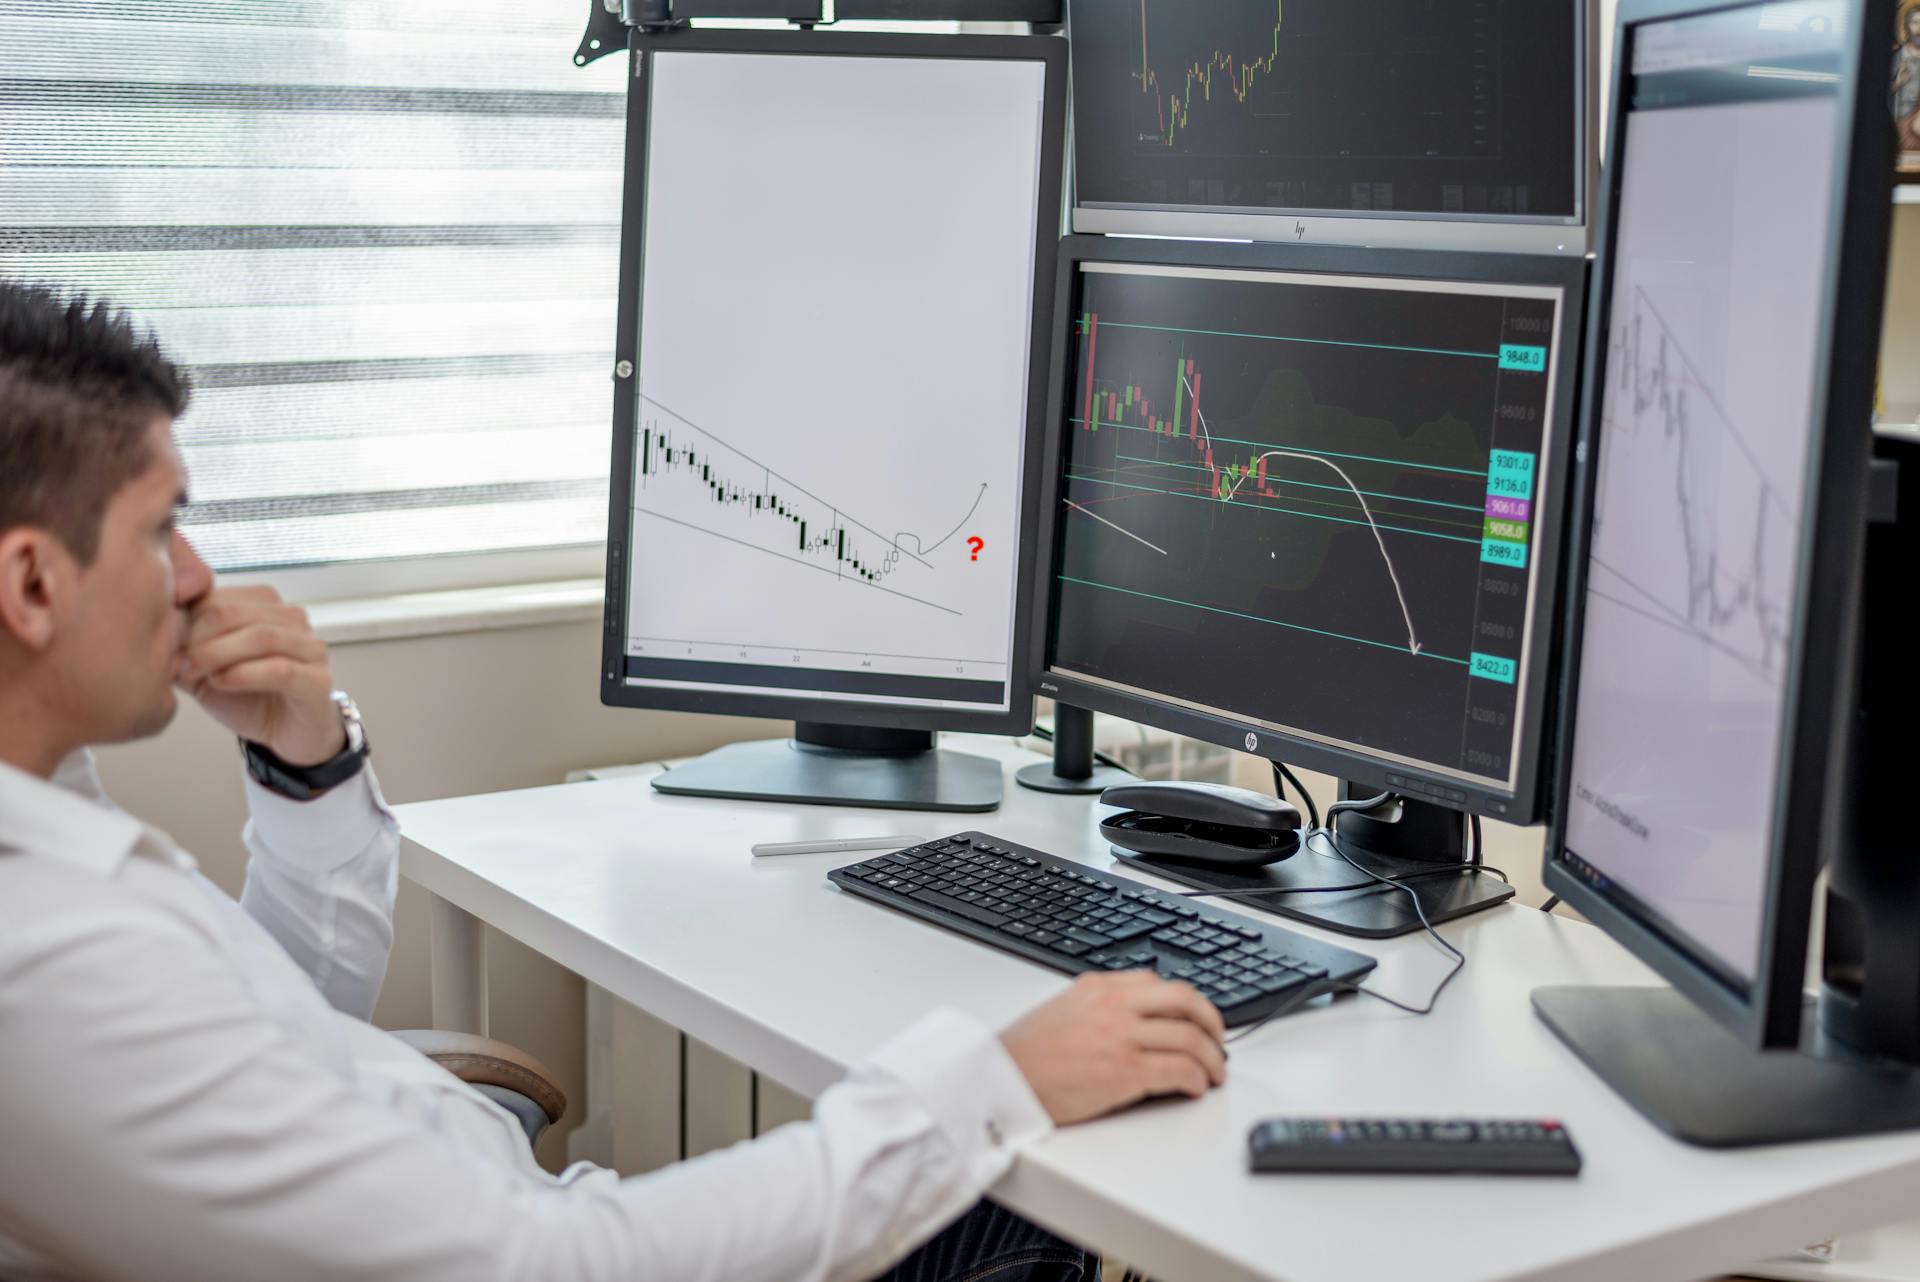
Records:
x=79, y=388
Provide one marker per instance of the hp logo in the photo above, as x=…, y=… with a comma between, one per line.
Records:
x=1253, y=743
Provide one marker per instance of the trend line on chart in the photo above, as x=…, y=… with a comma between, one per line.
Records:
x=1111, y=526
x=926, y=551
x=1237, y=76
x=1725, y=543
x=731, y=479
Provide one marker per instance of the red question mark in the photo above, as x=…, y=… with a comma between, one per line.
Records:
x=976, y=543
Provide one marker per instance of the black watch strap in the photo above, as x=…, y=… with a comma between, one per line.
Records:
x=304, y=783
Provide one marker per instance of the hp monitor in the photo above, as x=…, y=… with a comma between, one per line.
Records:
x=836, y=285
x=1711, y=691
x=1457, y=124
x=1307, y=502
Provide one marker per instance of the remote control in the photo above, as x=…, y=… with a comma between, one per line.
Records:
x=1413, y=1146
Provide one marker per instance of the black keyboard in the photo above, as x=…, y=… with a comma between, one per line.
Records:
x=1073, y=919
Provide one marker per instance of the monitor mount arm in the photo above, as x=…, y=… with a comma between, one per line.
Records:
x=608, y=21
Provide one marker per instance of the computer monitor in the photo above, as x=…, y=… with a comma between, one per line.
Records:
x=1306, y=502
x=1462, y=125
x=1717, y=553
x=835, y=299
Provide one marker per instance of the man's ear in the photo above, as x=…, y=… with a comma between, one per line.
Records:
x=35, y=573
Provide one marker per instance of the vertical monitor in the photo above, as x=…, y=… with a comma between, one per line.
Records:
x=1307, y=504
x=837, y=299
x=1451, y=123
x=1696, y=659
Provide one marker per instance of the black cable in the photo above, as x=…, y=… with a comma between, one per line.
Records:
x=1339, y=808
x=1460, y=958
x=1478, y=852
x=1550, y=905
x=1282, y=775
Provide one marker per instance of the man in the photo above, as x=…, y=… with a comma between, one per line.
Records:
x=188, y=1087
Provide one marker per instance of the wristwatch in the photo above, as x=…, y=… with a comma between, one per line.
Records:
x=304, y=783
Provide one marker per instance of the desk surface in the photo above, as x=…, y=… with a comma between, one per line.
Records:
x=657, y=900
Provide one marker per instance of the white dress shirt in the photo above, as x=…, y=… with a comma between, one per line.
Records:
x=189, y=1090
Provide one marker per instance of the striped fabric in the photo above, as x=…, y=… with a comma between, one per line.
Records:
x=384, y=235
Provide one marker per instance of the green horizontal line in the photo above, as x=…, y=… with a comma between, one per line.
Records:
x=1267, y=507
x=1311, y=485
x=1269, y=445
x=1317, y=342
x=1256, y=618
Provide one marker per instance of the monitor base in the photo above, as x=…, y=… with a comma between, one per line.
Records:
x=1377, y=912
x=1073, y=771
x=802, y=773
x=1693, y=1079
x=1043, y=777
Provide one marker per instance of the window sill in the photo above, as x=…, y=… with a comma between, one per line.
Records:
x=430, y=614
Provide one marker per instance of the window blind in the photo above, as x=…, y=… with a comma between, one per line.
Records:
x=383, y=236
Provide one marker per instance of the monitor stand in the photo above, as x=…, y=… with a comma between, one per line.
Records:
x=1073, y=770
x=1857, y=1068
x=1695, y=1080
x=824, y=765
x=1402, y=838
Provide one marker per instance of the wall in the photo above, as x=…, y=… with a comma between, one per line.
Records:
x=447, y=715
x=1900, y=349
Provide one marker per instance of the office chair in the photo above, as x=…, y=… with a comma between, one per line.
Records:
x=506, y=1075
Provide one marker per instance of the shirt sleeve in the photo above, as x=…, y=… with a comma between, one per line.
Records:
x=215, y=1147
x=321, y=878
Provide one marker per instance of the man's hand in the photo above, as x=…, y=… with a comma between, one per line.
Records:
x=1114, y=1039
x=256, y=665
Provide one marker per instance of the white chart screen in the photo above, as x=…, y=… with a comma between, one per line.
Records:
x=836, y=324
x=1706, y=430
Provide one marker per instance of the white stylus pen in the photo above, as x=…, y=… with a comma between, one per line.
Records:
x=835, y=844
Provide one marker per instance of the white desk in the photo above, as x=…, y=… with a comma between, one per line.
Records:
x=657, y=900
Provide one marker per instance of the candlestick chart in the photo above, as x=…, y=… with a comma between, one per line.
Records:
x=1326, y=104
x=1313, y=479
x=1711, y=560
x=692, y=478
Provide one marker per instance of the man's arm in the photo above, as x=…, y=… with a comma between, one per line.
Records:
x=323, y=873
x=321, y=877
x=206, y=1142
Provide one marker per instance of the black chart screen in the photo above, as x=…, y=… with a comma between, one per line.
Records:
x=1309, y=503
x=1429, y=107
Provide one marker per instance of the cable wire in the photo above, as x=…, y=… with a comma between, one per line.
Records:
x=1460, y=958
x=1283, y=776
x=1550, y=905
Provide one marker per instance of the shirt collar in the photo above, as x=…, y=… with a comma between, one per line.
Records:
x=67, y=818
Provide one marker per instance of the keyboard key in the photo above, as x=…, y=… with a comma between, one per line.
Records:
x=1071, y=947
x=1090, y=938
x=1043, y=937
x=972, y=912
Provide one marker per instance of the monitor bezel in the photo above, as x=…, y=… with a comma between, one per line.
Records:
x=1481, y=233
x=1823, y=654
x=1051, y=53
x=1522, y=803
